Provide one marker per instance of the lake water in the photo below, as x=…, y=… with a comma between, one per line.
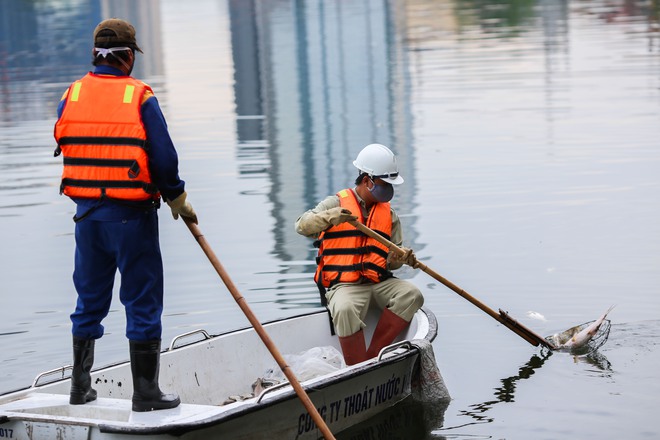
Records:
x=528, y=134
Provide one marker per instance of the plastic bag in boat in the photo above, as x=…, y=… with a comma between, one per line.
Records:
x=309, y=364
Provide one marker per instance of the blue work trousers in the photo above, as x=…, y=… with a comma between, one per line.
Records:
x=132, y=246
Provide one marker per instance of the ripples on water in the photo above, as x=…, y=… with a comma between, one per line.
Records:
x=527, y=133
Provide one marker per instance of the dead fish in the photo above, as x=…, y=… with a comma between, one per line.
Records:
x=581, y=338
x=260, y=385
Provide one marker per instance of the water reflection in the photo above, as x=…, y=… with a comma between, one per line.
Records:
x=504, y=393
x=314, y=83
x=46, y=45
x=325, y=79
x=598, y=360
x=408, y=420
x=501, y=18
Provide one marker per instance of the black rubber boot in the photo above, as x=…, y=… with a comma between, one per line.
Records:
x=145, y=364
x=81, y=380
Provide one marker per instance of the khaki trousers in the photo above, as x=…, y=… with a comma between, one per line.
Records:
x=349, y=302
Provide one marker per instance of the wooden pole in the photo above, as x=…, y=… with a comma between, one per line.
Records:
x=502, y=317
x=288, y=372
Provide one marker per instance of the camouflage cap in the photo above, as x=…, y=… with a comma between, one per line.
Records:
x=124, y=34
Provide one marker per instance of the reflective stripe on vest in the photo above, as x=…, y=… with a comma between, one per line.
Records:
x=345, y=254
x=103, y=140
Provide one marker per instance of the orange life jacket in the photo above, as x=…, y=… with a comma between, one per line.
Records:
x=103, y=140
x=345, y=254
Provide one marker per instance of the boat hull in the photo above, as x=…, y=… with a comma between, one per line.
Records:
x=199, y=372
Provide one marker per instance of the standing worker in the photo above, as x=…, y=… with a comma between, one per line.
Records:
x=356, y=269
x=118, y=161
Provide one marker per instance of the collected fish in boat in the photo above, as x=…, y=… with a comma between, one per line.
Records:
x=579, y=336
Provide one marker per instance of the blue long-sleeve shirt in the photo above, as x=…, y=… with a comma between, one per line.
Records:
x=163, y=159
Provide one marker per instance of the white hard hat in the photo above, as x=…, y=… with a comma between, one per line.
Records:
x=378, y=161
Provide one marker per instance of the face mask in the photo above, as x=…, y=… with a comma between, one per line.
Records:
x=382, y=193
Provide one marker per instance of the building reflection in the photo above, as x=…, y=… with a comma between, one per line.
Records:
x=46, y=45
x=317, y=81
x=314, y=83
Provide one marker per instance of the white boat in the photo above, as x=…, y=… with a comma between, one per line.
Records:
x=205, y=370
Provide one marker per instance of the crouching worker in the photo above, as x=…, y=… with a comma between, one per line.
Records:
x=118, y=159
x=356, y=269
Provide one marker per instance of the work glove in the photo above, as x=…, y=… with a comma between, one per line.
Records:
x=311, y=223
x=181, y=207
x=338, y=215
x=407, y=257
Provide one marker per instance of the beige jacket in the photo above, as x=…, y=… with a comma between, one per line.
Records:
x=312, y=223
